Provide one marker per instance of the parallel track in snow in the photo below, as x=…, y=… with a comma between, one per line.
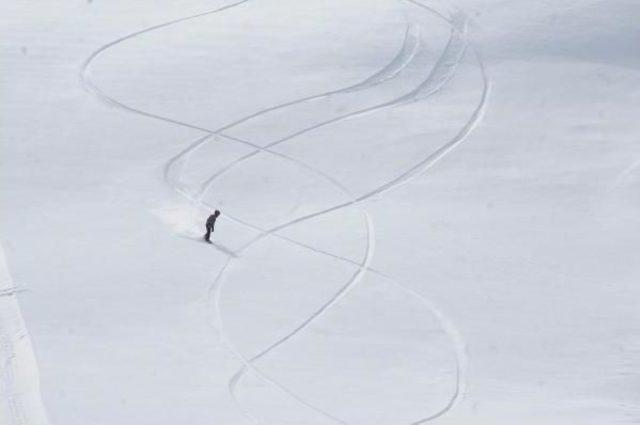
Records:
x=440, y=74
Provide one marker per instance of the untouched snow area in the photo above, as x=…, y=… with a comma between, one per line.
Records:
x=429, y=212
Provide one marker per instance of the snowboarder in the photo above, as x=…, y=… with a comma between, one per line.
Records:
x=211, y=221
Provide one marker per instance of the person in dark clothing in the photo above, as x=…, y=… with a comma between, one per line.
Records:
x=211, y=221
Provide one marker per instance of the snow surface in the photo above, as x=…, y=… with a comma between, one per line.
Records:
x=429, y=212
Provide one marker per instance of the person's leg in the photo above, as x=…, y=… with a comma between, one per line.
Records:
x=207, y=236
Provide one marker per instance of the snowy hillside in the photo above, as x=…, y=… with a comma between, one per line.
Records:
x=429, y=212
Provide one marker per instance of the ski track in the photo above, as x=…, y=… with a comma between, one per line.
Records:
x=402, y=59
x=10, y=291
x=440, y=74
x=438, y=77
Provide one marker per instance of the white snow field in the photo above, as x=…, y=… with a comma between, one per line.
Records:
x=430, y=212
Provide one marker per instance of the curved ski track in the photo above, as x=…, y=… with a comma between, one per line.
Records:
x=440, y=74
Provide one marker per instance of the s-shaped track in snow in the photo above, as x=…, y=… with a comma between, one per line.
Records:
x=440, y=74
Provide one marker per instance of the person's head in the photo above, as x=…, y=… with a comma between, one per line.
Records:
x=216, y=213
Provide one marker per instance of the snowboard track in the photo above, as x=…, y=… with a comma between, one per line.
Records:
x=440, y=74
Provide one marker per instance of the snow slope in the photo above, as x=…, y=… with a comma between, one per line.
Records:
x=19, y=383
x=429, y=211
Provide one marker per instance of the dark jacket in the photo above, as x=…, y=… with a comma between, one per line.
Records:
x=211, y=221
